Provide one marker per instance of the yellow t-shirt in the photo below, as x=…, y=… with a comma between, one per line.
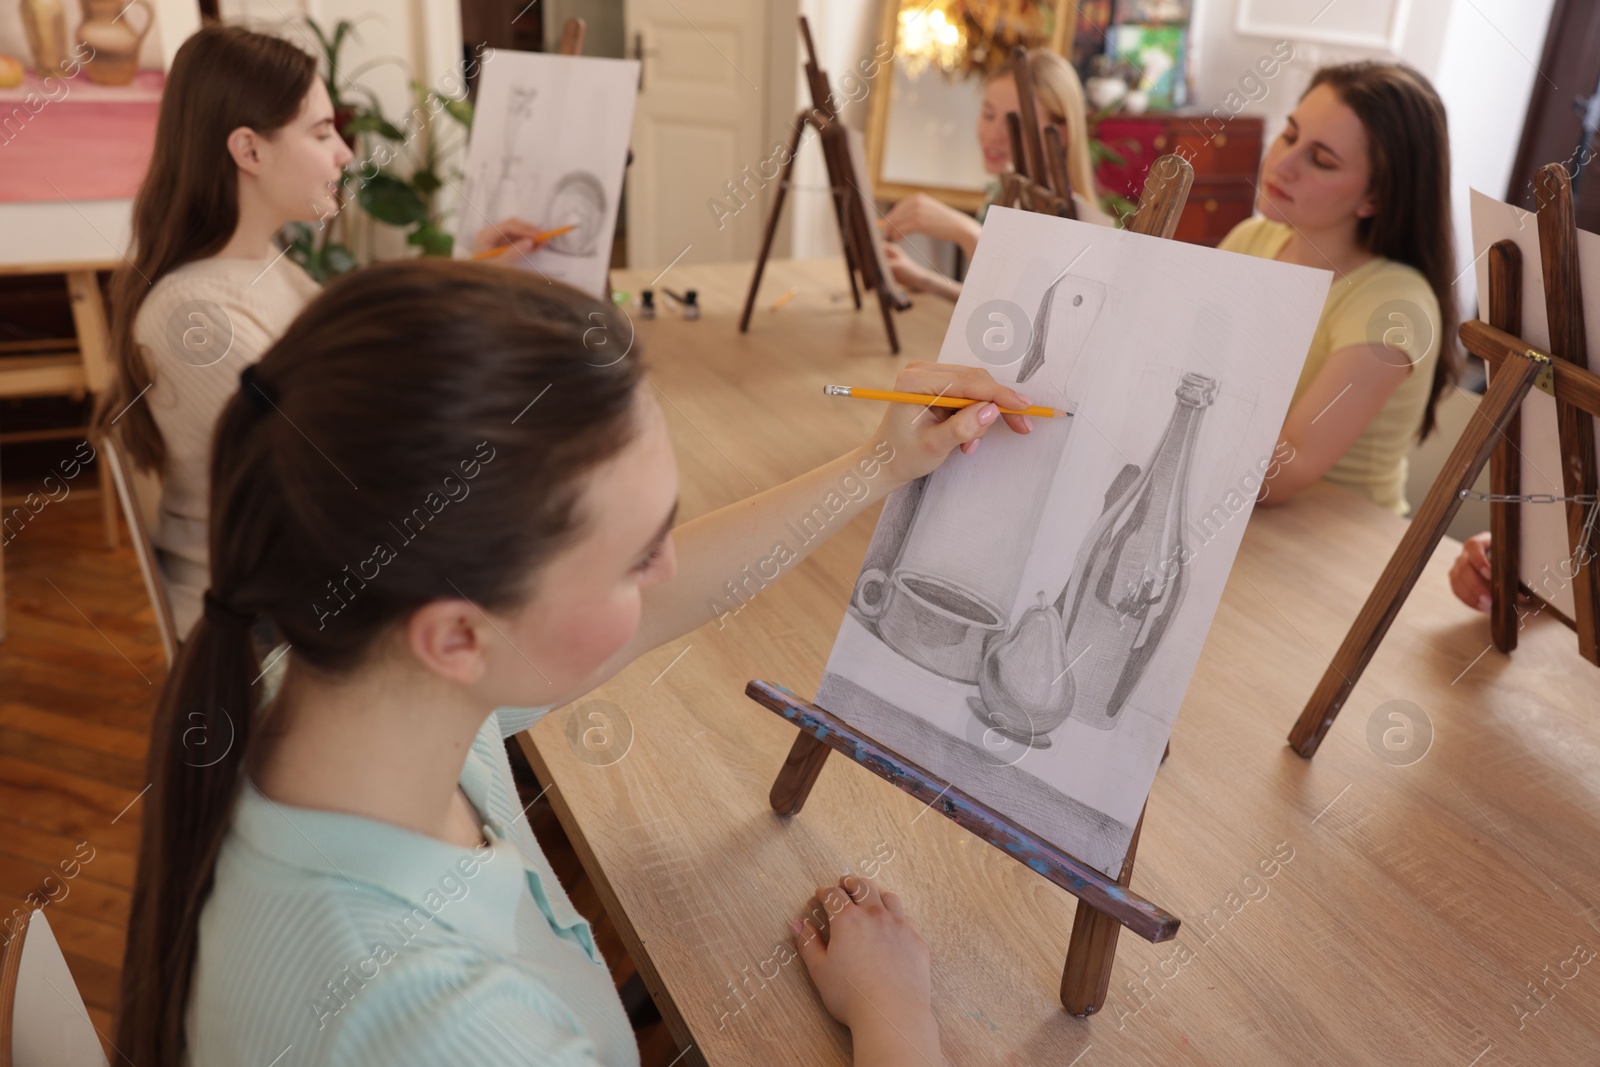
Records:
x=1381, y=302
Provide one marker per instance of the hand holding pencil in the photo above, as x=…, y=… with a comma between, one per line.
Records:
x=512, y=234
x=922, y=435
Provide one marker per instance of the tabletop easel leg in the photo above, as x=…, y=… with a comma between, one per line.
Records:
x=799, y=774
x=772, y=221
x=1093, y=949
x=1505, y=463
x=1563, y=301
x=888, y=320
x=1511, y=383
x=834, y=154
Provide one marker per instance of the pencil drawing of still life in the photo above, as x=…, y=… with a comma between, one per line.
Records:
x=549, y=145
x=1027, y=618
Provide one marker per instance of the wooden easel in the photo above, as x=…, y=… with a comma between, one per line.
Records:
x=1105, y=904
x=1037, y=180
x=849, y=202
x=1494, y=436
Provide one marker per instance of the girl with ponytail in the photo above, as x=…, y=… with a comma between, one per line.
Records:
x=446, y=503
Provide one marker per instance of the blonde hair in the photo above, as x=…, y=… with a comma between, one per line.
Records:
x=1057, y=89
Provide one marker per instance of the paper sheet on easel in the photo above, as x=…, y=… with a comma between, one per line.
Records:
x=1546, y=561
x=1028, y=617
x=549, y=145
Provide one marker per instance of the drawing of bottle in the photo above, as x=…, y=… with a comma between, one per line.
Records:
x=1129, y=579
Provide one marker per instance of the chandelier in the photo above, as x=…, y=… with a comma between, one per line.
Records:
x=963, y=37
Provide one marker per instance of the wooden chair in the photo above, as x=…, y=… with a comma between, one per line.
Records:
x=140, y=496
x=42, y=1019
x=66, y=367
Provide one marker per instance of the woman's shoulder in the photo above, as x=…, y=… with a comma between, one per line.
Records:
x=1384, y=302
x=1384, y=284
x=1255, y=236
x=230, y=296
x=1392, y=278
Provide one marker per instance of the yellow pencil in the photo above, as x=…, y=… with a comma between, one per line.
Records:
x=929, y=400
x=538, y=239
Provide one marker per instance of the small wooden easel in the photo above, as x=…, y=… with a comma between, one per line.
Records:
x=1037, y=180
x=1517, y=367
x=1105, y=904
x=850, y=199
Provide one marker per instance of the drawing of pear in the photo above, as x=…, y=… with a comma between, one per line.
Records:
x=1024, y=686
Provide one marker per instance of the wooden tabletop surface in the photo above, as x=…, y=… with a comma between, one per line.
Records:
x=1441, y=912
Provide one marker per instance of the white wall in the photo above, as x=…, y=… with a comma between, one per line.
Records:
x=1486, y=77
x=1479, y=54
x=844, y=32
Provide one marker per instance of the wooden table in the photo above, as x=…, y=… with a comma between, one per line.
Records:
x=1415, y=908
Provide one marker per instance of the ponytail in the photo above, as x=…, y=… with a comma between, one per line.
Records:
x=199, y=742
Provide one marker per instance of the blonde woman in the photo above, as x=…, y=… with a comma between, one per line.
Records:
x=1058, y=102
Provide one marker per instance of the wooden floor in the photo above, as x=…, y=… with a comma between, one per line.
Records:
x=79, y=676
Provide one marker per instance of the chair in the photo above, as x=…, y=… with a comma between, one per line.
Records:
x=66, y=367
x=140, y=496
x=42, y=1019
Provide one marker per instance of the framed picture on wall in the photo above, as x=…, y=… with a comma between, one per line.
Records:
x=1375, y=24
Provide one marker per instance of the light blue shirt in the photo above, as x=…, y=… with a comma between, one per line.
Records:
x=336, y=939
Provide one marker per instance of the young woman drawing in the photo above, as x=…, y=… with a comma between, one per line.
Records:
x=245, y=144
x=352, y=875
x=1358, y=183
x=1058, y=102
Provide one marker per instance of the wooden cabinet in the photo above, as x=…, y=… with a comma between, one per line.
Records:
x=1225, y=157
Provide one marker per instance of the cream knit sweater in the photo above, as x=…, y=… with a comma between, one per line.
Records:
x=200, y=326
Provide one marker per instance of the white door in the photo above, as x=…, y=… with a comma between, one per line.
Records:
x=701, y=177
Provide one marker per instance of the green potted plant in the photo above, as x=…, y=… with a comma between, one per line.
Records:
x=399, y=165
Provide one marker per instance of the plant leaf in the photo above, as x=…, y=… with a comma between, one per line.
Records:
x=425, y=182
x=388, y=199
x=337, y=259
x=372, y=122
x=432, y=240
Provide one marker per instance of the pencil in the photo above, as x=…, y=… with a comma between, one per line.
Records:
x=538, y=240
x=929, y=400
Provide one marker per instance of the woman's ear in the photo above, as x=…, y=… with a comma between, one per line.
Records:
x=244, y=146
x=1367, y=208
x=448, y=638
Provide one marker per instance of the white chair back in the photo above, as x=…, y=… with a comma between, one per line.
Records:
x=42, y=1018
x=140, y=496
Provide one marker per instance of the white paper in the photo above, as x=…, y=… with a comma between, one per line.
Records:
x=549, y=145
x=1127, y=318
x=1546, y=563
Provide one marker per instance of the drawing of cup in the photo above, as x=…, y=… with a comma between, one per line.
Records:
x=931, y=621
x=579, y=201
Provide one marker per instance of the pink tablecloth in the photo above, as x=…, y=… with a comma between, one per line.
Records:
x=90, y=143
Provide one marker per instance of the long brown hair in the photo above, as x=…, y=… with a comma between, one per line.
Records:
x=395, y=384
x=223, y=77
x=1409, y=144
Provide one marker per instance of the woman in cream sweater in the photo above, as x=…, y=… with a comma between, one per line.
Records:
x=245, y=144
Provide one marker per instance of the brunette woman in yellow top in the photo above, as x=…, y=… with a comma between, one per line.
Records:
x=1358, y=183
